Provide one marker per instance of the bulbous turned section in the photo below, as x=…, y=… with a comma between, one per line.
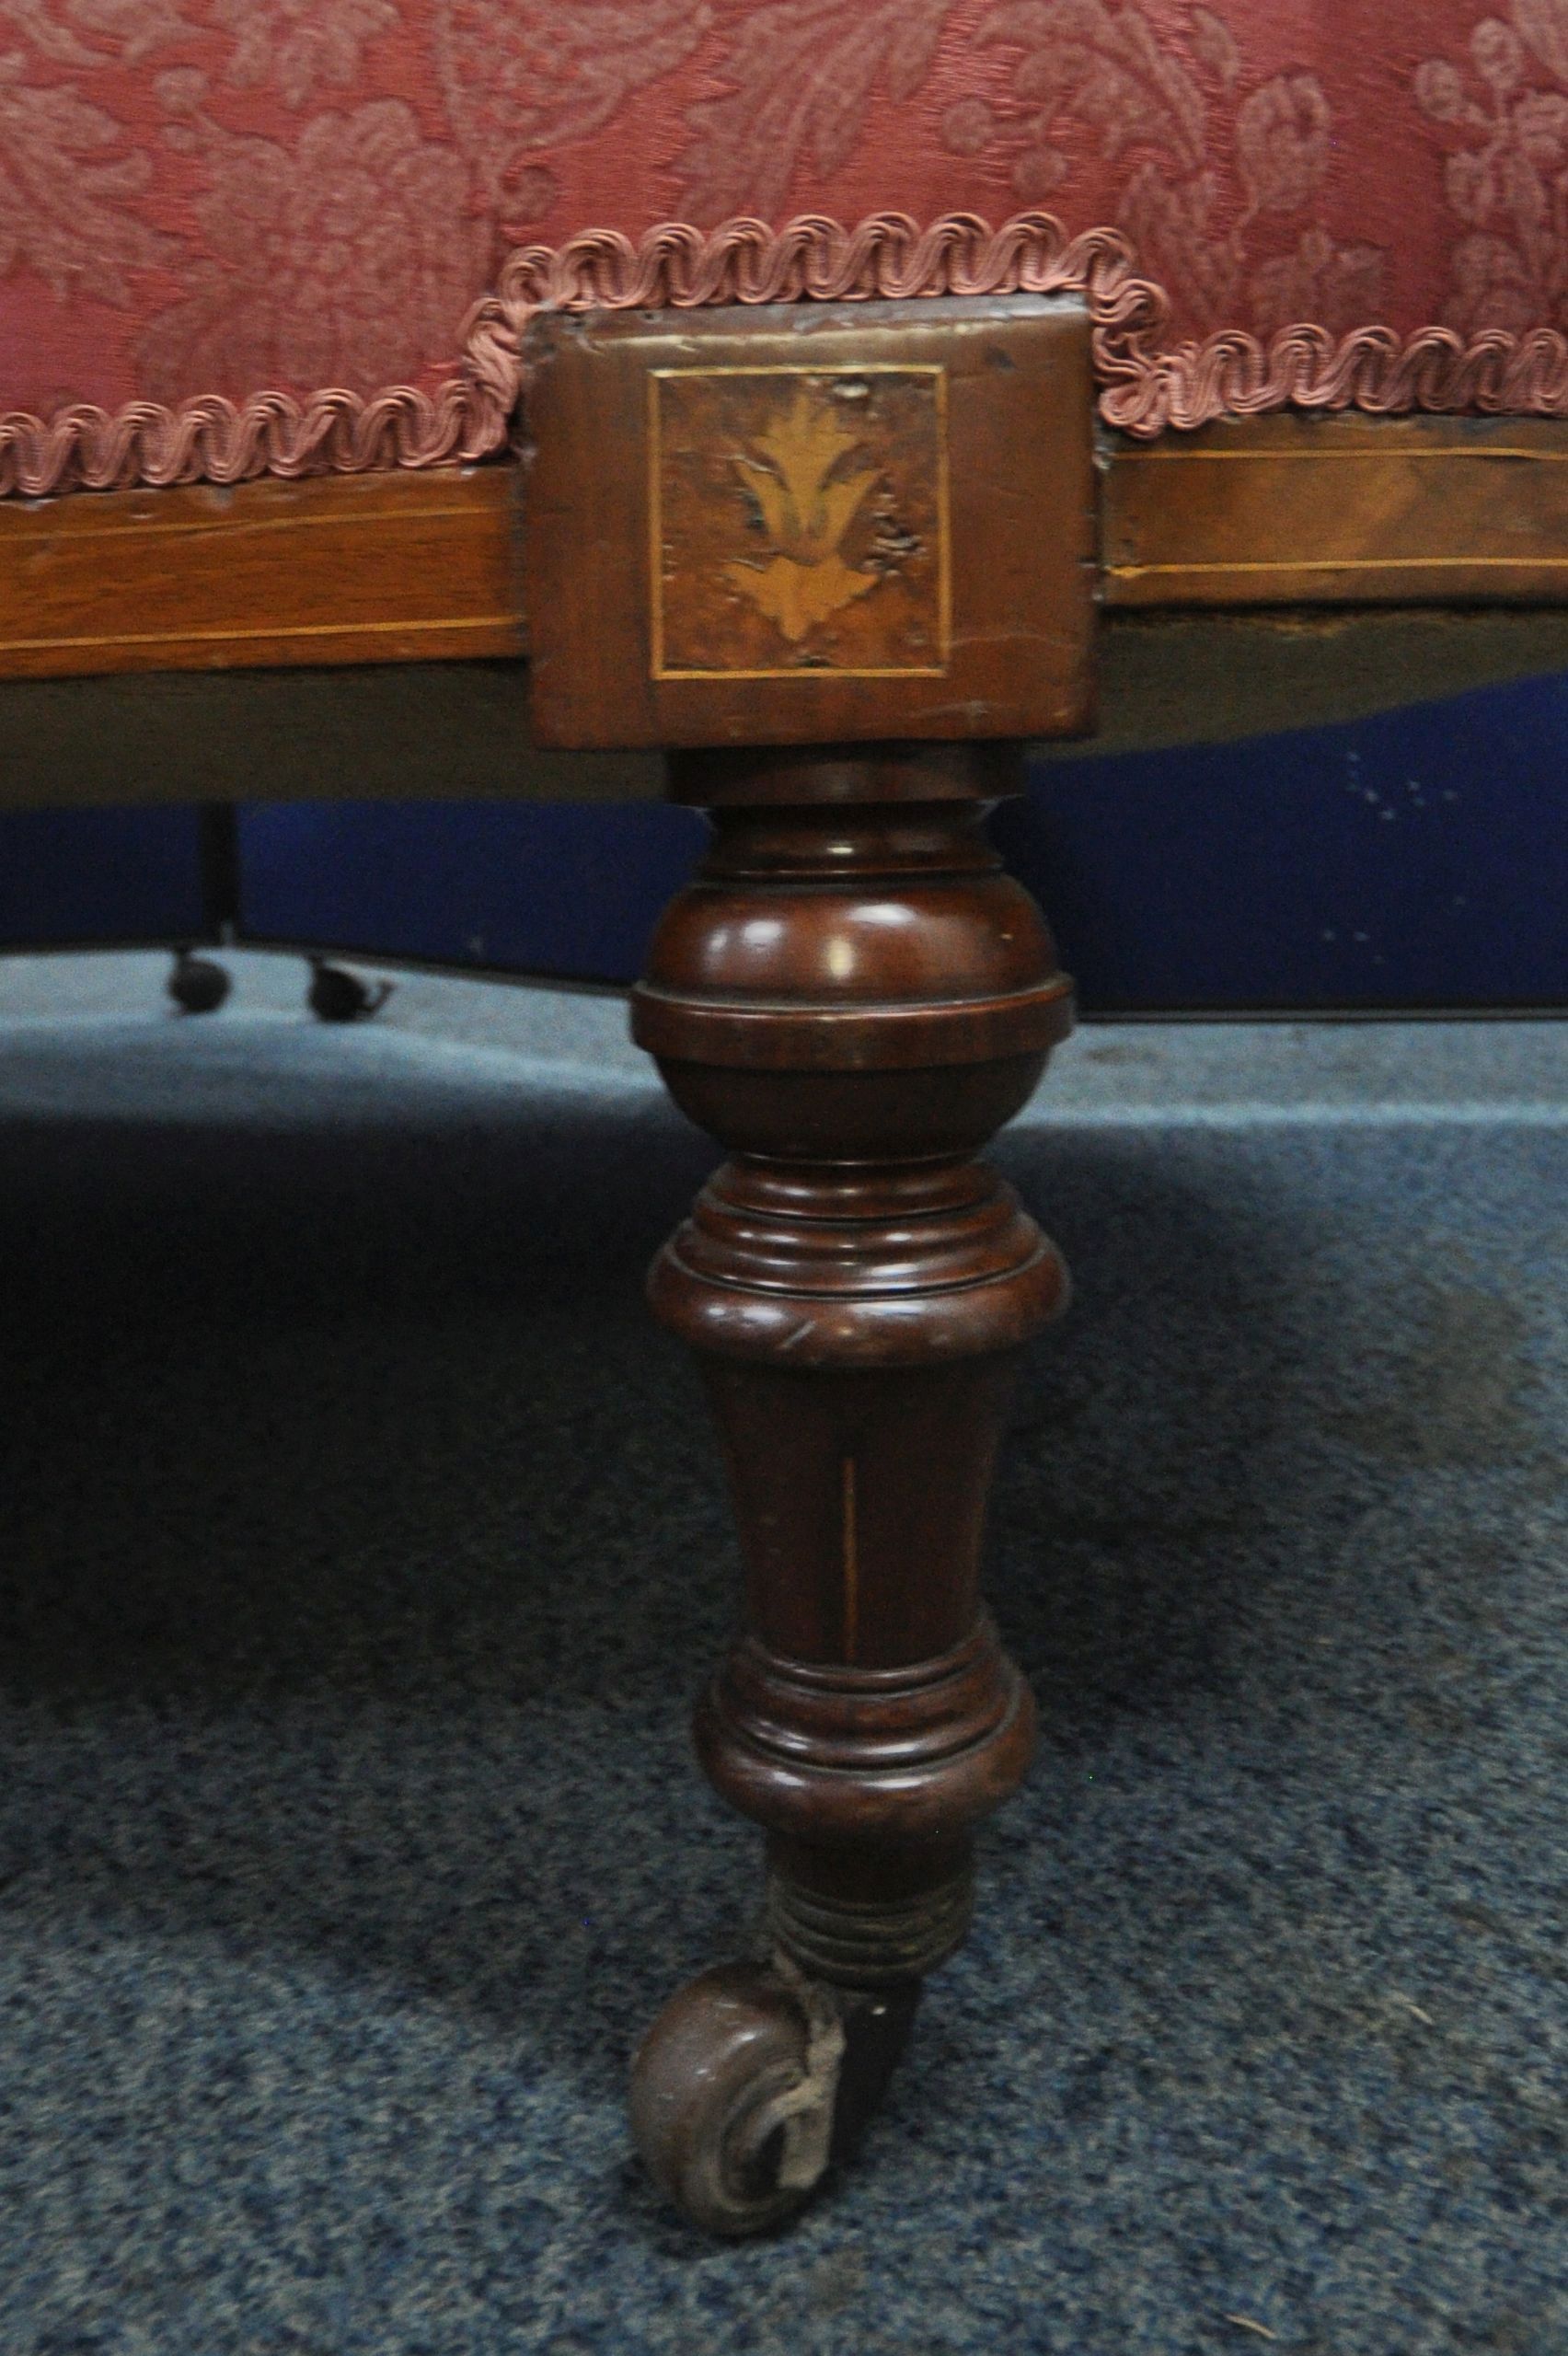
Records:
x=826, y=966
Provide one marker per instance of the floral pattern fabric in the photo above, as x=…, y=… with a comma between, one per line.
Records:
x=239, y=234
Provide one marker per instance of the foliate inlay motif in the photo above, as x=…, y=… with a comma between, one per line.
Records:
x=798, y=521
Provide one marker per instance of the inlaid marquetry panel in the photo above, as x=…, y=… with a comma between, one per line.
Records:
x=798, y=521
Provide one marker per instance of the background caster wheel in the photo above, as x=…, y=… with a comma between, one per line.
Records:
x=196, y=986
x=751, y=2079
x=337, y=995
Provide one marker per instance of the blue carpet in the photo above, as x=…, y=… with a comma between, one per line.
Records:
x=363, y=1543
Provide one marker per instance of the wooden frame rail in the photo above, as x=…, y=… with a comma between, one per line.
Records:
x=336, y=569
x=401, y=568
x=1298, y=511
x=282, y=641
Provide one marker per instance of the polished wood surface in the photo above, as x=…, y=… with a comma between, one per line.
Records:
x=1279, y=513
x=372, y=571
x=805, y=524
x=385, y=568
x=852, y=997
x=1300, y=511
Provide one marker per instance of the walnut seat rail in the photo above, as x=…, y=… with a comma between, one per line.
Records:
x=400, y=568
x=204, y=644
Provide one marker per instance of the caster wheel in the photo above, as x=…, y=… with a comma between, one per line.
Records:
x=751, y=2079
x=337, y=995
x=732, y=2098
x=196, y=985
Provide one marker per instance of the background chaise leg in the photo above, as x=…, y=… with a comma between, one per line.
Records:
x=852, y=997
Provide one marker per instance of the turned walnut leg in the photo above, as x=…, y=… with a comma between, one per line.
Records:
x=852, y=997
x=860, y=531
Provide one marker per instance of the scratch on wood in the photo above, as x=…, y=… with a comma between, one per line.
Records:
x=851, y=1563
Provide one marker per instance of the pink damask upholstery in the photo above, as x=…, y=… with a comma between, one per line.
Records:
x=242, y=235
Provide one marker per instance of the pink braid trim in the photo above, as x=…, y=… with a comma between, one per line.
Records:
x=1145, y=390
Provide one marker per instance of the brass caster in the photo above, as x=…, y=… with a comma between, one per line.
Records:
x=751, y=2081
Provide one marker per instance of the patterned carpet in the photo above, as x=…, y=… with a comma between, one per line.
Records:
x=363, y=1541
